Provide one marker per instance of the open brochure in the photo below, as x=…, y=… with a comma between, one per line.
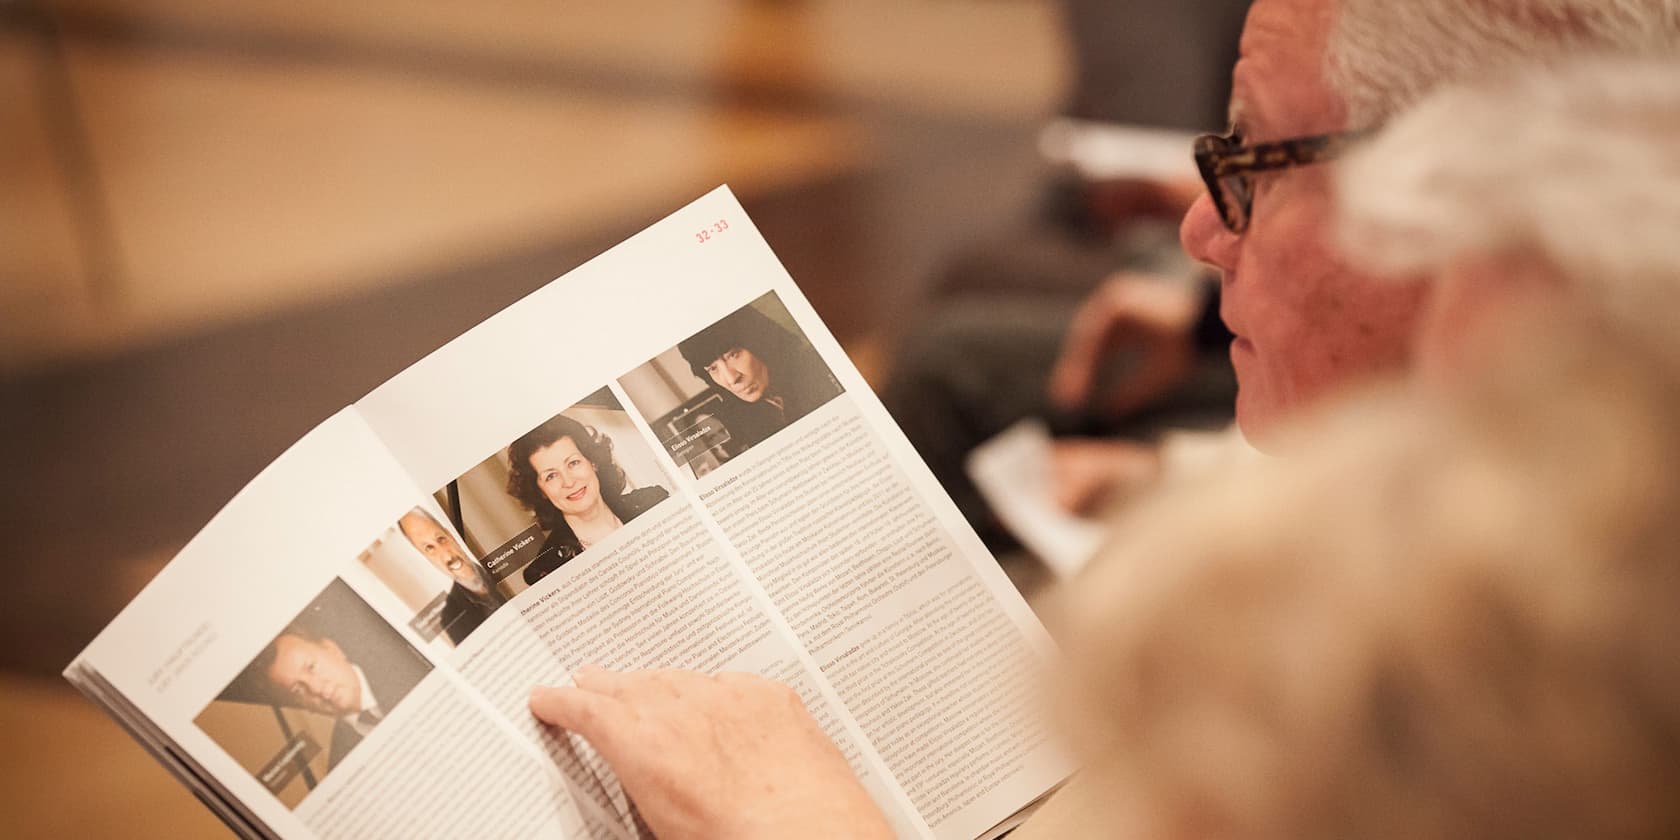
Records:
x=660, y=460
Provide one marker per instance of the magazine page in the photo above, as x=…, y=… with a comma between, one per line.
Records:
x=269, y=655
x=663, y=459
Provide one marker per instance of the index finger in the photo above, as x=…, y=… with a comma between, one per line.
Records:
x=635, y=686
x=597, y=717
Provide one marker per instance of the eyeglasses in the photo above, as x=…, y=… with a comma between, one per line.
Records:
x=1228, y=166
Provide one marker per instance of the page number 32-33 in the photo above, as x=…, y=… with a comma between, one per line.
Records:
x=706, y=233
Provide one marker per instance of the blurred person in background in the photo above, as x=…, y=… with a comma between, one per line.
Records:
x=1145, y=76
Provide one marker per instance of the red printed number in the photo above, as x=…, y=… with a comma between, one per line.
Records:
x=705, y=234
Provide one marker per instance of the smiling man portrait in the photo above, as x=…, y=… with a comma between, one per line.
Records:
x=472, y=597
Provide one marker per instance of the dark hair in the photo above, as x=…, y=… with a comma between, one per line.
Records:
x=593, y=445
x=753, y=331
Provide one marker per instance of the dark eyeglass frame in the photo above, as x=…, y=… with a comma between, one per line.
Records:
x=1228, y=166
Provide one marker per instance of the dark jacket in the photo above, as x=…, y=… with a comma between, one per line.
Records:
x=809, y=385
x=391, y=673
x=464, y=610
x=562, y=545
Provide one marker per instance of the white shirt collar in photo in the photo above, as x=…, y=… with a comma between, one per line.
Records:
x=369, y=704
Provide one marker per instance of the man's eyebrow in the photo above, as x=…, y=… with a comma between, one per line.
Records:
x=1240, y=109
x=1237, y=112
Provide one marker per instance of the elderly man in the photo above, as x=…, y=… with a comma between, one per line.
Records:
x=1535, y=458
x=1308, y=323
x=1102, y=232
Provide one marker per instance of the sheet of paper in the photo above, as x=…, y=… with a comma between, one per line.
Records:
x=1101, y=151
x=1012, y=471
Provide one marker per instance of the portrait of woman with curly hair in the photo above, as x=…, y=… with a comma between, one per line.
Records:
x=563, y=472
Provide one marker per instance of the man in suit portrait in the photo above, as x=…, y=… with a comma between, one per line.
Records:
x=311, y=671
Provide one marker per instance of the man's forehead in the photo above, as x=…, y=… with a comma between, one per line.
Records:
x=417, y=519
x=294, y=644
x=289, y=651
x=1283, y=18
x=1278, y=87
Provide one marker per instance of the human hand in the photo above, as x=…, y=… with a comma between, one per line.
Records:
x=733, y=755
x=1088, y=474
x=1128, y=311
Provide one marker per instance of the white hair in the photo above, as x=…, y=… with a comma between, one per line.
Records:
x=1577, y=170
x=1385, y=55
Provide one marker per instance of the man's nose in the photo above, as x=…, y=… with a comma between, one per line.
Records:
x=1205, y=237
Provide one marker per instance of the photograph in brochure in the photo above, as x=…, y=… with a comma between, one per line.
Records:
x=313, y=693
x=423, y=563
x=556, y=490
x=730, y=386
